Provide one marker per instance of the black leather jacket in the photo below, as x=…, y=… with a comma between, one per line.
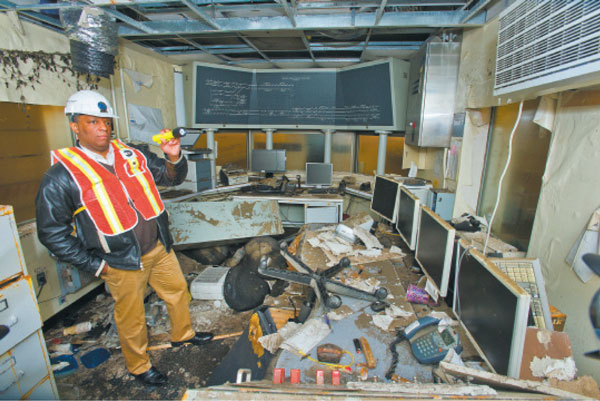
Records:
x=58, y=198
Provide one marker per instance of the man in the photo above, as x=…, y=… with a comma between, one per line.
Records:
x=98, y=209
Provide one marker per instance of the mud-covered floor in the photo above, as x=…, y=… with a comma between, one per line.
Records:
x=185, y=367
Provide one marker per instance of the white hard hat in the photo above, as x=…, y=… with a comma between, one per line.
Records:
x=89, y=103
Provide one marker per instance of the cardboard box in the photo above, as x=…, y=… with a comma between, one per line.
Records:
x=558, y=319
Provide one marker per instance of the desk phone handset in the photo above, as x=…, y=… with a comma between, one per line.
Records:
x=427, y=344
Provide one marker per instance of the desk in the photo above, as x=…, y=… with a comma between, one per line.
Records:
x=296, y=211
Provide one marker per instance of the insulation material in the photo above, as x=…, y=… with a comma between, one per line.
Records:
x=138, y=79
x=93, y=39
x=367, y=238
x=144, y=122
x=561, y=369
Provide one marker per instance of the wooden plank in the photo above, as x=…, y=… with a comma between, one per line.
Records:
x=496, y=380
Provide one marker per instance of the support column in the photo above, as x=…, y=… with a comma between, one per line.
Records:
x=381, y=151
x=212, y=157
x=269, y=141
x=327, y=150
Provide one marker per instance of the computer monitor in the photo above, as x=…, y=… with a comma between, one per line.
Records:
x=407, y=222
x=268, y=160
x=492, y=309
x=384, y=201
x=435, y=247
x=319, y=174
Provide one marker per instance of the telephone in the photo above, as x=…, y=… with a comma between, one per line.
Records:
x=428, y=345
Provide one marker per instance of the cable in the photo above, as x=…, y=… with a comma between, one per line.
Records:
x=334, y=365
x=40, y=290
x=501, y=181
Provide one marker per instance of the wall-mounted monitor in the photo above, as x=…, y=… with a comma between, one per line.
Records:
x=268, y=160
x=492, y=308
x=384, y=201
x=319, y=174
x=407, y=222
x=435, y=247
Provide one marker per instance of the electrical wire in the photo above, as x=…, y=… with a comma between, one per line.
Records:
x=334, y=365
x=40, y=290
x=501, y=181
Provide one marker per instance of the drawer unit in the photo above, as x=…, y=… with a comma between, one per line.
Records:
x=18, y=311
x=24, y=369
x=10, y=249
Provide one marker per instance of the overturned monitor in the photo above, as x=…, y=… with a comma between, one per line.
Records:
x=319, y=174
x=384, y=201
x=268, y=160
x=492, y=308
x=435, y=247
x=407, y=222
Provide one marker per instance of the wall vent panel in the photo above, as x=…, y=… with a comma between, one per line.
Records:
x=546, y=46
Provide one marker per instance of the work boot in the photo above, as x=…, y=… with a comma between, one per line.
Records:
x=201, y=337
x=152, y=377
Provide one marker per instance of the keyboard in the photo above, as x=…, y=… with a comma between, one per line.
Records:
x=318, y=191
x=527, y=273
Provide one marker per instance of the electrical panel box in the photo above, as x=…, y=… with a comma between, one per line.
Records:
x=441, y=202
x=431, y=92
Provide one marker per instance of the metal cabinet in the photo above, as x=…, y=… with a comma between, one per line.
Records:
x=25, y=371
x=432, y=88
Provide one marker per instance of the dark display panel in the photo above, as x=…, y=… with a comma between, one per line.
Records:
x=356, y=97
x=268, y=160
x=319, y=174
x=491, y=310
x=385, y=196
x=435, y=248
x=408, y=216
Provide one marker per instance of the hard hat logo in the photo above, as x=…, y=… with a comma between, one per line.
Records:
x=103, y=107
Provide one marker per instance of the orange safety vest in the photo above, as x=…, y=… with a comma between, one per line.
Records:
x=107, y=196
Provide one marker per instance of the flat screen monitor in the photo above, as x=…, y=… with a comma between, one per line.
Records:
x=435, y=247
x=407, y=222
x=319, y=174
x=268, y=160
x=384, y=201
x=492, y=309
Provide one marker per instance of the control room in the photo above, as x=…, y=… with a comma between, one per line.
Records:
x=308, y=200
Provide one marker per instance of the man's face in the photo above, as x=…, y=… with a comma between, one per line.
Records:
x=93, y=132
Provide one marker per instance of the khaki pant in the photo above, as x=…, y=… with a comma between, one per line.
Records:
x=127, y=287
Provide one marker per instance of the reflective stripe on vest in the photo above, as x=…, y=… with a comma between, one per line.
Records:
x=104, y=194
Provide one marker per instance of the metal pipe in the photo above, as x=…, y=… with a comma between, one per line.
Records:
x=210, y=143
x=327, y=146
x=269, y=140
x=125, y=105
x=358, y=193
x=381, y=151
x=114, y=102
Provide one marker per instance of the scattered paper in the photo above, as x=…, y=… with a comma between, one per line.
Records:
x=312, y=332
x=395, y=249
x=272, y=342
x=370, y=252
x=314, y=242
x=396, y=311
x=382, y=321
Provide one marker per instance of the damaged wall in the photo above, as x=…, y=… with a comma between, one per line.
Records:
x=570, y=194
x=55, y=89
x=570, y=191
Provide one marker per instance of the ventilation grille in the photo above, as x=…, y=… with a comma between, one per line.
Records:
x=543, y=42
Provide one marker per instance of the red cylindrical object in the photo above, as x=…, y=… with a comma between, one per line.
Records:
x=294, y=376
x=335, y=377
x=320, y=376
x=278, y=375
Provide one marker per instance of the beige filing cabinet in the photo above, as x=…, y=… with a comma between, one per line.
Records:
x=25, y=371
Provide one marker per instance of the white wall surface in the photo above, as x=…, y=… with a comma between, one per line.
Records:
x=570, y=194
